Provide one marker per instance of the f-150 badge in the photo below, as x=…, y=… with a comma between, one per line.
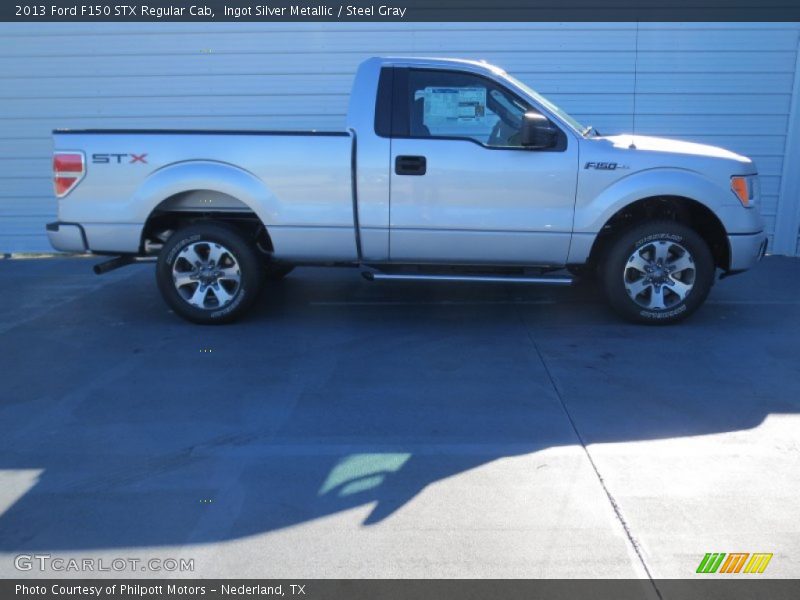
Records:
x=605, y=166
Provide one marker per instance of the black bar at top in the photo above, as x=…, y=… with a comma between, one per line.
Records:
x=412, y=10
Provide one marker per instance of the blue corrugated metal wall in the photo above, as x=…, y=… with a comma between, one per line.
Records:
x=719, y=83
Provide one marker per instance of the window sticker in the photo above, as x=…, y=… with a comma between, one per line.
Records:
x=452, y=105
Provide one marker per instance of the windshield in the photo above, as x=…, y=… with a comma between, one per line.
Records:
x=574, y=123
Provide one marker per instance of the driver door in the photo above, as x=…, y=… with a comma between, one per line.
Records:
x=463, y=189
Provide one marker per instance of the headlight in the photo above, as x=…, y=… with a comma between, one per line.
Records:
x=745, y=188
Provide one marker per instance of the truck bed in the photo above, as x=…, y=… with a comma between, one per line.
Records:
x=298, y=181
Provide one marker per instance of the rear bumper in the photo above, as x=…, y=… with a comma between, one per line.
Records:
x=100, y=238
x=746, y=250
x=67, y=237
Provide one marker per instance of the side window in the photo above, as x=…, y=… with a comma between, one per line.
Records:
x=451, y=104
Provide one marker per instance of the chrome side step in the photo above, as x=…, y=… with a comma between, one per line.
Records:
x=378, y=276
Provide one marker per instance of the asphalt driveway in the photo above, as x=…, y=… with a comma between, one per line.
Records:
x=354, y=429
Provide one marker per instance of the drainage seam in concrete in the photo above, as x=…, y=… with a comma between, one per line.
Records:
x=614, y=505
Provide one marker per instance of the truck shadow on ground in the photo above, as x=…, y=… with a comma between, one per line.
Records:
x=123, y=427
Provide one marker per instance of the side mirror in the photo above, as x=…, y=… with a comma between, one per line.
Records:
x=537, y=133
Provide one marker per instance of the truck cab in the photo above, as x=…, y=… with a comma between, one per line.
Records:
x=465, y=185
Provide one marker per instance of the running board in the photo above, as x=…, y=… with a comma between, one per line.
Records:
x=378, y=276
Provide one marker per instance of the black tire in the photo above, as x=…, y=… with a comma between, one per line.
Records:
x=237, y=257
x=668, y=294
x=275, y=271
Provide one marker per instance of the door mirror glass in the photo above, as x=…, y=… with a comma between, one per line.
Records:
x=537, y=132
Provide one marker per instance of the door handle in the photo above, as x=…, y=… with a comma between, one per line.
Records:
x=410, y=165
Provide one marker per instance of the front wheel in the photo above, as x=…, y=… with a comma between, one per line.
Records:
x=659, y=272
x=209, y=273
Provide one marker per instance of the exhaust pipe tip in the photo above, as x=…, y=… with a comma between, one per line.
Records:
x=120, y=261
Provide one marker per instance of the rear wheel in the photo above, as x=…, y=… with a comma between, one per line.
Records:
x=209, y=273
x=659, y=272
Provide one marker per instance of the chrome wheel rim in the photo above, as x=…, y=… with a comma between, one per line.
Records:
x=206, y=275
x=659, y=275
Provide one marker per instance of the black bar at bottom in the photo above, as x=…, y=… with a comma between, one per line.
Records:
x=704, y=587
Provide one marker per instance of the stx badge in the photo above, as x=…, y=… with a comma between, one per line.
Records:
x=104, y=159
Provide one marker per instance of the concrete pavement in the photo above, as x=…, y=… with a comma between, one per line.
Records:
x=398, y=429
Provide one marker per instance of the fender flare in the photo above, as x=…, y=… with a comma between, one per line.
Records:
x=596, y=212
x=192, y=175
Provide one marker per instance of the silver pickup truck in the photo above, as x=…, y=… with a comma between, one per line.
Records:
x=448, y=170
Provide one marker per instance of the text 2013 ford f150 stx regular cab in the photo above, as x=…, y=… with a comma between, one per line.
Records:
x=448, y=169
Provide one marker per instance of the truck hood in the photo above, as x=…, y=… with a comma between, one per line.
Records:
x=656, y=144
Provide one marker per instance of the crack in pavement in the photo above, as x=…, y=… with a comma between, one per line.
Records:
x=614, y=505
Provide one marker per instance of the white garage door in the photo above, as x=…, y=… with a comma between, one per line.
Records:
x=724, y=84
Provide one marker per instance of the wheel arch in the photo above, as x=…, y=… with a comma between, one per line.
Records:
x=671, y=193
x=202, y=190
x=682, y=209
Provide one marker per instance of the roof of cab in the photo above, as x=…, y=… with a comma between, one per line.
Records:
x=478, y=65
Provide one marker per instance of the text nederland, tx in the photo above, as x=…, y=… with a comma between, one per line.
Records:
x=99, y=591
x=321, y=10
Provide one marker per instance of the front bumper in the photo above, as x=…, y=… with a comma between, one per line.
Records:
x=746, y=250
x=67, y=237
